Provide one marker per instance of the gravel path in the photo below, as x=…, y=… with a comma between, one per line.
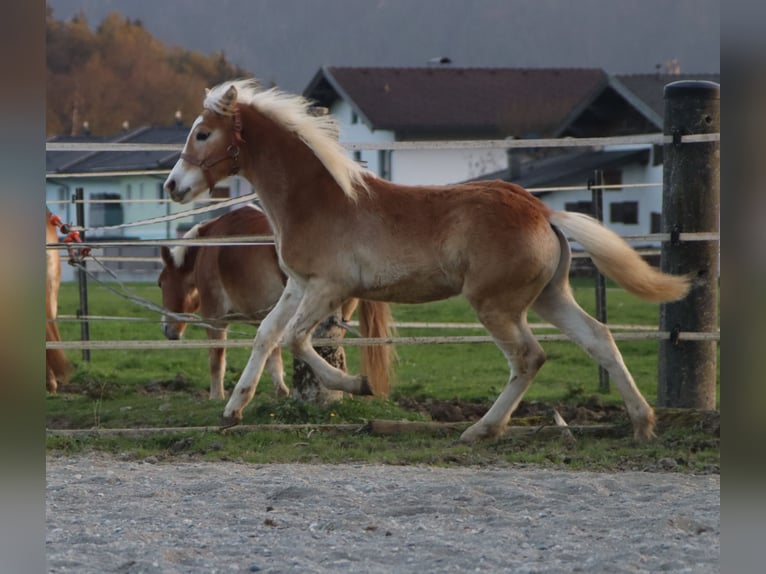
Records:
x=109, y=515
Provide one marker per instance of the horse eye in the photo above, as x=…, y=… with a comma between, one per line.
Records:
x=202, y=136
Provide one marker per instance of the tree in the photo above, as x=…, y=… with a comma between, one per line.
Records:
x=120, y=72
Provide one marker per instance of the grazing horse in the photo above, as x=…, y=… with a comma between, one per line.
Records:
x=343, y=232
x=57, y=366
x=243, y=283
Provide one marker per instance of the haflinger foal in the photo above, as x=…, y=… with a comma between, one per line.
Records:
x=225, y=284
x=342, y=232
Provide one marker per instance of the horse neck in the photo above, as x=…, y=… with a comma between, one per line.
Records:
x=292, y=182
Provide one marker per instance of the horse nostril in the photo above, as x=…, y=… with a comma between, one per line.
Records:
x=170, y=185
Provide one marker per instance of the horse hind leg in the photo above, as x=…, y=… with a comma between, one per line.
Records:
x=316, y=305
x=557, y=305
x=525, y=357
x=276, y=371
x=217, y=363
x=51, y=384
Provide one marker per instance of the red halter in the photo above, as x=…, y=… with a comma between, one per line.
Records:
x=232, y=153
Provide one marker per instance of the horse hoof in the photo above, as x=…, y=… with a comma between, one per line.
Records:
x=474, y=434
x=230, y=421
x=365, y=388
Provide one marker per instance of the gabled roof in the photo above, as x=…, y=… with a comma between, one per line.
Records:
x=471, y=102
x=569, y=168
x=59, y=161
x=646, y=91
x=111, y=161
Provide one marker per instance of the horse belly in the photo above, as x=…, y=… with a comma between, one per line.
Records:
x=411, y=288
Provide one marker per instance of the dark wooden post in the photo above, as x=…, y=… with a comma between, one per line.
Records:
x=306, y=386
x=691, y=202
x=597, y=198
x=82, y=277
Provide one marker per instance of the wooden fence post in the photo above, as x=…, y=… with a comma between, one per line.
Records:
x=82, y=277
x=305, y=384
x=690, y=203
x=596, y=184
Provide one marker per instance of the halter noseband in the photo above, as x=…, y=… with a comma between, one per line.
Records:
x=232, y=153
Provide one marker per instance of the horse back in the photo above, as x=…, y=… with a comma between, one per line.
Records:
x=238, y=279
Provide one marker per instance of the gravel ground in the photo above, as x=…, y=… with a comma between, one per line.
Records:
x=109, y=515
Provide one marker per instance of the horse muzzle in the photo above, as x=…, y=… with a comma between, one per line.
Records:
x=171, y=332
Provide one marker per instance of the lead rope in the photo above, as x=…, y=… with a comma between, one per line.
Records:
x=126, y=293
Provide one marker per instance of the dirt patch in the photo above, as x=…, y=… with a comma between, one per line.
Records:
x=590, y=411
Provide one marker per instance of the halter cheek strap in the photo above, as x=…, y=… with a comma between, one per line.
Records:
x=231, y=153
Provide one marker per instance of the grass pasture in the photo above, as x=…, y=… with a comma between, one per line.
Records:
x=167, y=388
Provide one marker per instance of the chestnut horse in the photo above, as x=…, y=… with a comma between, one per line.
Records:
x=343, y=232
x=57, y=366
x=243, y=283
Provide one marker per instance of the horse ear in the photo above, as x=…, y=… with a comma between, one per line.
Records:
x=165, y=254
x=229, y=98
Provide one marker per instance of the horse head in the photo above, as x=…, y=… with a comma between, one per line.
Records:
x=179, y=294
x=211, y=152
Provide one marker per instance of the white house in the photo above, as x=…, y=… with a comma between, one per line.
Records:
x=446, y=103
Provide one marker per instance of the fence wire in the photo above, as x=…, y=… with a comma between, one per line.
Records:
x=620, y=332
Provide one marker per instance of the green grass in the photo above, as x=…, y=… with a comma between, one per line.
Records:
x=474, y=372
x=168, y=388
x=684, y=449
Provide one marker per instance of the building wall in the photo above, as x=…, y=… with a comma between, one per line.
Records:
x=649, y=199
x=416, y=167
x=428, y=166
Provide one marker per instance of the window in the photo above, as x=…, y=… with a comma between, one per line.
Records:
x=357, y=156
x=354, y=118
x=656, y=222
x=579, y=207
x=624, y=212
x=613, y=177
x=105, y=209
x=384, y=163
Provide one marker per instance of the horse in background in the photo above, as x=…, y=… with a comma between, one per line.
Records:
x=343, y=232
x=57, y=366
x=228, y=283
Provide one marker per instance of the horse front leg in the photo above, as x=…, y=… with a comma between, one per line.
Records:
x=266, y=340
x=317, y=303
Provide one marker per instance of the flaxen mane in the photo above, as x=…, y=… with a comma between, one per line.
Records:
x=318, y=132
x=180, y=252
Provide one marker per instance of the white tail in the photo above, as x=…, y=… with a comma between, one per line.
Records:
x=618, y=260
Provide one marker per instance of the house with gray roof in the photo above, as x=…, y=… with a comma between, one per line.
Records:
x=121, y=187
x=446, y=103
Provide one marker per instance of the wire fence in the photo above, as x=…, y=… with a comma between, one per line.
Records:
x=620, y=332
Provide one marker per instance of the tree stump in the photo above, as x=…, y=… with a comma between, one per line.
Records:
x=306, y=386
